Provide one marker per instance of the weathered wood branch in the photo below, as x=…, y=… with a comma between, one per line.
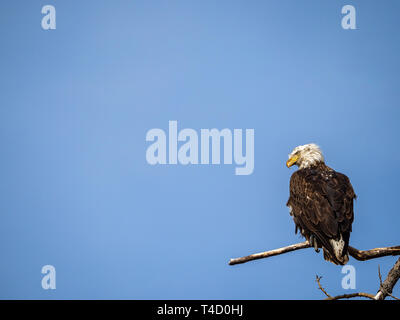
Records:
x=363, y=255
x=266, y=254
x=386, y=287
x=360, y=255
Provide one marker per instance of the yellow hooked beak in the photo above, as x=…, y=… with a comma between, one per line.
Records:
x=292, y=161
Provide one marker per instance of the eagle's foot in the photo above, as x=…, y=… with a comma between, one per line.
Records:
x=313, y=243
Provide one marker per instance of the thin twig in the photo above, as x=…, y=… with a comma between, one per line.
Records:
x=353, y=295
x=321, y=288
x=343, y=296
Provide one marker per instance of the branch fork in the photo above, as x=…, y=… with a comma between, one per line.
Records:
x=385, y=288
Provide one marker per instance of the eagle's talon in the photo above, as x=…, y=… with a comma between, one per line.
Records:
x=313, y=243
x=311, y=240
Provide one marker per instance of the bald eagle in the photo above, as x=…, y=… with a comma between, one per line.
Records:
x=321, y=203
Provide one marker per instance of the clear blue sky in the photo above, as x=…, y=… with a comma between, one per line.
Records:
x=75, y=106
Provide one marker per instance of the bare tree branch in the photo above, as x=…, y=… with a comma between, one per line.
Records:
x=360, y=255
x=343, y=296
x=353, y=295
x=387, y=286
x=266, y=254
x=363, y=255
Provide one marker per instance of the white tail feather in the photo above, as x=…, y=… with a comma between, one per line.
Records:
x=338, y=247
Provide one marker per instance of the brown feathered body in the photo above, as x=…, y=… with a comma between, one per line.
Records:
x=321, y=203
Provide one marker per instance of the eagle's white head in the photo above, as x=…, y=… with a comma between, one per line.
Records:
x=305, y=156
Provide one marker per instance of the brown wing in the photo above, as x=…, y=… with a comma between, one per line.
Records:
x=321, y=202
